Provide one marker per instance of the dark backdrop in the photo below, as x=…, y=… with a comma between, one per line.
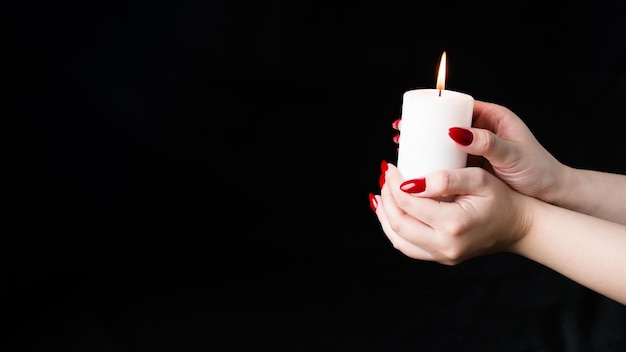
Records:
x=193, y=176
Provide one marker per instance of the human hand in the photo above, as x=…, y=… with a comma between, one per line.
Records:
x=484, y=216
x=500, y=142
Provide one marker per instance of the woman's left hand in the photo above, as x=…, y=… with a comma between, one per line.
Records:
x=482, y=214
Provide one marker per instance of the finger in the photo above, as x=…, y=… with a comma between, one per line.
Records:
x=496, y=130
x=464, y=181
x=407, y=215
x=398, y=242
x=396, y=124
x=487, y=115
x=450, y=182
x=487, y=144
x=438, y=185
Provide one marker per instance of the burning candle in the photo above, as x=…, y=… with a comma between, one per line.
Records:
x=427, y=115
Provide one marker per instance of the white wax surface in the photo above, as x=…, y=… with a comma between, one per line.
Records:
x=425, y=145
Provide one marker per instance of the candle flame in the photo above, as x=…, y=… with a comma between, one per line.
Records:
x=441, y=77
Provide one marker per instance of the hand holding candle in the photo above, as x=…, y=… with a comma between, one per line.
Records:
x=427, y=115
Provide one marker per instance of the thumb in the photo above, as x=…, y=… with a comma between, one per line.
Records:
x=481, y=142
x=445, y=183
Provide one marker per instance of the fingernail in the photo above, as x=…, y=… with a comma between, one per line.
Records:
x=461, y=135
x=396, y=138
x=396, y=124
x=383, y=168
x=373, y=202
x=414, y=186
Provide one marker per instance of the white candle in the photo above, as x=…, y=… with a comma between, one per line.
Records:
x=427, y=115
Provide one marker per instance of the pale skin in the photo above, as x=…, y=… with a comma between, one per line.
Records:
x=522, y=201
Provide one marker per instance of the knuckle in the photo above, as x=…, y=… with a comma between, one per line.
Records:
x=443, y=181
x=395, y=226
x=451, y=247
x=486, y=143
x=483, y=177
x=452, y=229
x=403, y=201
x=452, y=254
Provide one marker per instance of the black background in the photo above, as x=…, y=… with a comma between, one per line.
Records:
x=193, y=175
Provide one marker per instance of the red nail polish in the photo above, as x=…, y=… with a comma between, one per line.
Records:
x=417, y=185
x=373, y=202
x=461, y=135
x=396, y=138
x=381, y=180
x=396, y=124
x=384, y=166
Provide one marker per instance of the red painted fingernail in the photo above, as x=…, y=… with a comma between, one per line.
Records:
x=373, y=202
x=414, y=186
x=384, y=166
x=461, y=135
x=396, y=124
x=396, y=138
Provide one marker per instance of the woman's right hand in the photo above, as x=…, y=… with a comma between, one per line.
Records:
x=500, y=142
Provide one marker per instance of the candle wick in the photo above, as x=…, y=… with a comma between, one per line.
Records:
x=439, y=92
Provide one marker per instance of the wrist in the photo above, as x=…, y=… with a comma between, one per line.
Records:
x=530, y=226
x=559, y=191
x=568, y=188
x=524, y=224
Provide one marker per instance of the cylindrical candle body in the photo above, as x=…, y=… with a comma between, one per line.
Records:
x=424, y=144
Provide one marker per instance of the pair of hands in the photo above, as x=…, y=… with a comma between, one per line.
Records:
x=490, y=209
